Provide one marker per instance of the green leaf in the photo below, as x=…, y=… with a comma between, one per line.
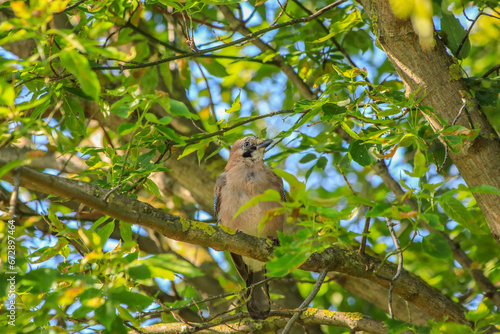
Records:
x=358, y=151
x=123, y=107
x=455, y=33
x=170, y=134
x=236, y=106
x=307, y=158
x=179, y=108
x=304, y=105
x=78, y=65
x=47, y=253
x=78, y=92
x=214, y=67
x=141, y=272
x=485, y=189
x=214, y=152
x=11, y=165
x=74, y=116
x=126, y=128
x=136, y=300
x=456, y=211
x=349, y=130
x=309, y=172
x=40, y=280
x=270, y=195
x=172, y=263
x=106, y=314
x=295, y=184
x=7, y=93
x=321, y=164
x=125, y=231
x=361, y=200
x=152, y=188
x=419, y=165
x=347, y=22
x=332, y=111
x=380, y=209
x=285, y=264
x=150, y=79
x=98, y=222
x=481, y=313
x=190, y=149
x=345, y=162
x=151, y=118
x=105, y=231
x=435, y=245
x=433, y=221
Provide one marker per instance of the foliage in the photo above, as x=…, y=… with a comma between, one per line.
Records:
x=122, y=93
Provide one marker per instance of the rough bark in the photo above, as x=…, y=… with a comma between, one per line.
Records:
x=277, y=320
x=378, y=296
x=430, y=71
x=336, y=259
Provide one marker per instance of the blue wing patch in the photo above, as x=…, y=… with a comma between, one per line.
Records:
x=215, y=208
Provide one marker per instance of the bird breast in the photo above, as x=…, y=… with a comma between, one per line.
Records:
x=241, y=188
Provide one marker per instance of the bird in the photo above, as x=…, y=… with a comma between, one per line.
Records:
x=244, y=177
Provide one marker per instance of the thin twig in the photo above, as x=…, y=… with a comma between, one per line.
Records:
x=71, y=7
x=491, y=70
x=390, y=226
x=467, y=34
x=283, y=11
x=346, y=181
x=439, y=169
x=154, y=39
x=333, y=39
x=119, y=184
x=223, y=46
x=248, y=120
x=459, y=113
x=212, y=105
x=160, y=8
x=224, y=295
x=366, y=230
x=306, y=302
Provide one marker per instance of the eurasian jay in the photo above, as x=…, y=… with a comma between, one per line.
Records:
x=246, y=176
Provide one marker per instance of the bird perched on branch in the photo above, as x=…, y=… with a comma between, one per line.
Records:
x=246, y=176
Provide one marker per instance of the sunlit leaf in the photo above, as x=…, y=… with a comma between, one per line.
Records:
x=78, y=65
x=456, y=35
x=435, y=245
x=236, y=106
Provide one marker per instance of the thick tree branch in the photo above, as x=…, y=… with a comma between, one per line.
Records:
x=221, y=238
x=277, y=320
x=377, y=295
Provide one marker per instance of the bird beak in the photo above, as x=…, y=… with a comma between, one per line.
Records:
x=264, y=144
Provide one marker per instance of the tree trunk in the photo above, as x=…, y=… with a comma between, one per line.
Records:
x=429, y=70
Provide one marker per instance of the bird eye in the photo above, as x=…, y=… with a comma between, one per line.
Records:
x=246, y=144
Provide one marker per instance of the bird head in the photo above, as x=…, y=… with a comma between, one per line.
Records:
x=250, y=147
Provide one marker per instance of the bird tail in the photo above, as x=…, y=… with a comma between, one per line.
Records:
x=259, y=304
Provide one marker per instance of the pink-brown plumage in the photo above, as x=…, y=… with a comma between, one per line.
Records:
x=246, y=176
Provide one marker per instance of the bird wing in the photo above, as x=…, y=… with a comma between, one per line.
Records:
x=219, y=184
x=240, y=265
x=278, y=181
